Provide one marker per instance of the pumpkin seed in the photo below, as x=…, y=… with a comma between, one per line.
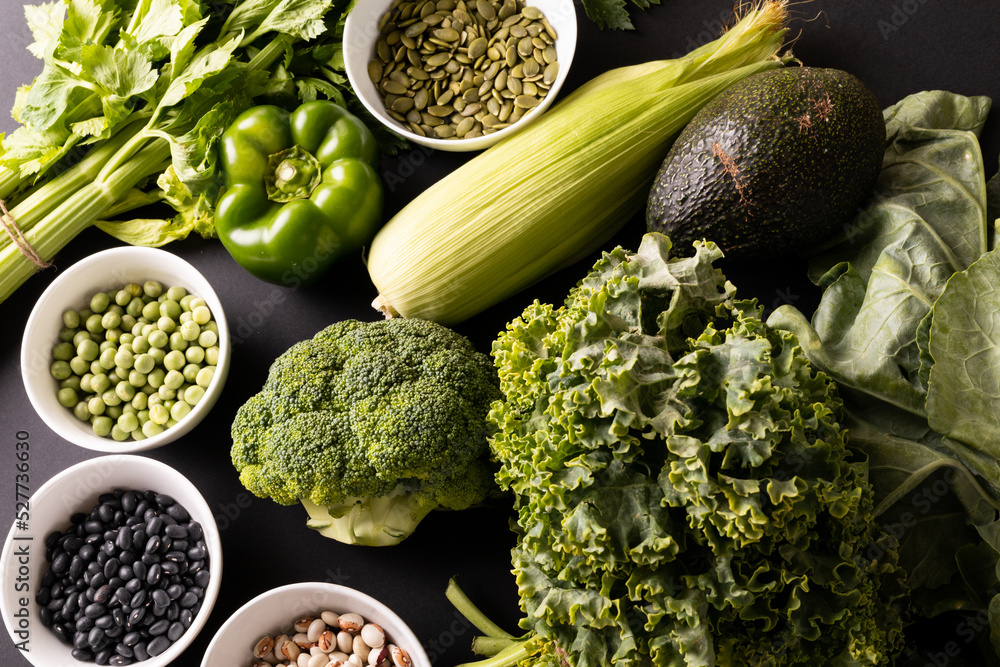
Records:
x=551, y=72
x=511, y=55
x=518, y=31
x=486, y=10
x=375, y=71
x=438, y=59
x=490, y=121
x=447, y=34
x=445, y=97
x=525, y=48
x=420, y=99
x=531, y=68
x=416, y=129
x=444, y=131
x=441, y=110
x=477, y=48
x=415, y=29
x=514, y=85
x=529, y=88
x=393, y=87
x=472, y=109
x=526, y=101
x=532, y=13
x=402, y=105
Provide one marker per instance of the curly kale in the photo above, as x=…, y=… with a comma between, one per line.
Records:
x=371, y=425
x=685, y=494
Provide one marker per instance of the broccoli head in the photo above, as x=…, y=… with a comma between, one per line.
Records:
x=371, y=426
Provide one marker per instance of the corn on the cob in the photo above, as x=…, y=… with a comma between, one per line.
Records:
x=562, y=186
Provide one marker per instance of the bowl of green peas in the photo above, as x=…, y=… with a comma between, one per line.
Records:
x=127, y=350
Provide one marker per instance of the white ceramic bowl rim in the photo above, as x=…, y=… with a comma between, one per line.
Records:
x=310, y=598
x=361, y=31
x=126, y=264
x=78, y=487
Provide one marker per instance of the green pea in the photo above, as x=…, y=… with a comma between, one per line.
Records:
x=110, y=398
x=99, y=302
x=128, y=409
x=81, y=411
x=154, y=399
x=85, y=385
x=114, y=411
x=191, y=372
x=102, y=425
x=79, y=365
x=170, y=308
x=178, y=342
x=137, y=330
x=124, y=358
x=155, y=378
x=94, y=324
x=157, y=338
x=108, y=345
x=60, y=370
x=138, y=434
x=108, y=358
x=96, y=368
x=173, y=380
x=84, y=313
x=118, y=434
x=142, y=416
x=100, y=383
x=96, y=406
x=185, y=302
x=126, y=339
x=211, y=326
x=185, y=317
x=165, y=324
x=205, y=376
x=81, y=336
x=113, y=334
x=136, y=378
x=111, y=320
x=158, y=355
x=180, y=410
x=128, y=422
x=151, y=311
x=66, y=335
x=122, y=373
x=190, y=331
x=174, y=360
x=71, y=319
x=72, y=382
x=134, y=307
x=152, y=288
x=193, y=394
x=88, y=350
x=122, y=297
x=212, y=355
x=135, y=289
x=140, y=401
x=195, y=354
x=144, y=363
x=63, y=352
x=125, y=391
x=151, y=428
x=67, y=397
x=201, y=314
x=140, y=345
x=166, y=393
x=159, y=414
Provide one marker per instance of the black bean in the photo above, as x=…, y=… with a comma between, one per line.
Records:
x=96, y=638
x=139, y=535
x=136, y=617
x=77, y=567
x=44, y=596
x=104, y=622
x=80, y=640
x=176, y=531
x=124, y=539
x=62, y=633
x=54, y=605
x=173, y=611
x=94, y=610
x=138, y=599
x=122, y=596
x=140, y=651
x=178, y=557
x=186, y=618
x=176, y=631
x=125, y=650
x=71, y=544
x=103, y=656
x=103, y=594
x=133, y=585
x=106, y=513
x=139, y=569
x=48, y=578
x=84, y=624
x=202, y=578
x=69, y=607
x=88, y=552
x=197, y=553
x=160, y=627
x=97, y=581
x=189, y=600
x=140, y=509
x=82, y=655
x=125, y=573
x=52, y=539
x=119, y=660
x=160, y=598
x=154, y=525
x=93, y=527
x=120, y=616
x=153, y=543
x=128, y=557
x=149, y=559
x=61, y=562
x=154, y=574
x=179, y=513
x=45, y=615
x=107, y=498
x=111, y=567
x=129, y=501
x=158, y=645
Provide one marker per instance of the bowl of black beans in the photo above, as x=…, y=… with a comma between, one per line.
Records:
x=126, y=350
x=118, y=562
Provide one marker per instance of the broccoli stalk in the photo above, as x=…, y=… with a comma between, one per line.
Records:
x=371, y=426
x=381, y=521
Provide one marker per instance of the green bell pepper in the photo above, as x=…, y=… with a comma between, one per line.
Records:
x=301, y=190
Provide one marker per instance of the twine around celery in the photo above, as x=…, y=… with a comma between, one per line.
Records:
x=14, y=232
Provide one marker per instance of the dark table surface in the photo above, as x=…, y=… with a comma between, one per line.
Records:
x=897, y=47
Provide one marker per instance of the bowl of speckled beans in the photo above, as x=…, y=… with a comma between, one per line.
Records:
x=315, y=624
x=115, y=561
x=126, y=350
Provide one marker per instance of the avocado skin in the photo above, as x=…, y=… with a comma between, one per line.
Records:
x=773, y=165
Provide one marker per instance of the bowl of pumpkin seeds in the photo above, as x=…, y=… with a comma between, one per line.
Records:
x=458, y=75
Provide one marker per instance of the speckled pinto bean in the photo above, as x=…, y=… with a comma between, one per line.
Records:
x=330, y=639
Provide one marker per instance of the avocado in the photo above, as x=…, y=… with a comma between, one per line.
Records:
x=772, y=166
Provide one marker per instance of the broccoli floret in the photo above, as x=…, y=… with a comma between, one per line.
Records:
x=371, y=425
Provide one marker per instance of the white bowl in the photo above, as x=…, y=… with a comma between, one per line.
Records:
x=272, y=613
x=72, y=290
x=361, y=33
x=77, y=489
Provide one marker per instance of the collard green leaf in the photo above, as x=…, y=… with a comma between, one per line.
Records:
x=963, y=398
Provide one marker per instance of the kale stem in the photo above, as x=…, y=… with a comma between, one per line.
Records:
x=490, y=646
x=465, y=606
